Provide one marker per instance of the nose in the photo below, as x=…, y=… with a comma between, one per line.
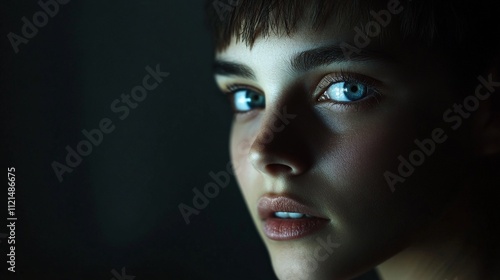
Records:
x=280, y=146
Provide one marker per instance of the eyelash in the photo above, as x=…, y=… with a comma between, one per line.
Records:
x=232, y=89
x=374, y=93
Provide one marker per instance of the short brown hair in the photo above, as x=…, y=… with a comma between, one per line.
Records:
x=467, y=34
x=427, y=20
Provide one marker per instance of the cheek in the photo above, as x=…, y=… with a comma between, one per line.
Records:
x=354, y=166
x=248, y=178
x=240, y=143
x=362, y=148
x=366, y=209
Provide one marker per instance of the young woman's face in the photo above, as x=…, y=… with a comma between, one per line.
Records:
x=315, y=134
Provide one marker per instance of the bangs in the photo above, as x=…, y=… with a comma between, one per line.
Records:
x=466, y=34
x=426, y=22
x=259, y=18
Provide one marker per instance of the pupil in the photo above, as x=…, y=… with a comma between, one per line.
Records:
x=255, y=100
x=354, y=91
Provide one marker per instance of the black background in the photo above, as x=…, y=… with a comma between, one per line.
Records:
x=119, y=207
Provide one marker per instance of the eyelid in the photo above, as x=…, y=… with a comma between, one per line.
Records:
x=232, y=89
x=344, y=76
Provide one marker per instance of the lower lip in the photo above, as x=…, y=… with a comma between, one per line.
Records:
x=289, y=229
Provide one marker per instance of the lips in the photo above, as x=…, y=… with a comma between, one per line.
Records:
x=285, y=218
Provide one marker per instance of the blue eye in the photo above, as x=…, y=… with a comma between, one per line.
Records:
x=244, y=100
x=346, y=91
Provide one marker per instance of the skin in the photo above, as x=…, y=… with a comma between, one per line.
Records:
x=333, y=157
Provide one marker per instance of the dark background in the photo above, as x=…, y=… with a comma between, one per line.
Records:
x=119, y=207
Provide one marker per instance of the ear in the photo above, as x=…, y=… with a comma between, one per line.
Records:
x=487, y=121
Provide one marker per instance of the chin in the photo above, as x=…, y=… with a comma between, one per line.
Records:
x=291, y=262
x=319, y=257
x=304, y=270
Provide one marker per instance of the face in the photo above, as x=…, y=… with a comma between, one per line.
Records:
x=314, y=135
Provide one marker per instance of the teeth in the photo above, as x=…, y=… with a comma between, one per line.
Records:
x=295, y=215
x=290, y=215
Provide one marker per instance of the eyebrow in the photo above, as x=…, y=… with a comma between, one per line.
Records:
x=306, y=60
x=226, y=68
x=321, y=56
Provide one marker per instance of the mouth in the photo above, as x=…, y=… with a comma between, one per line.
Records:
x=285, y=218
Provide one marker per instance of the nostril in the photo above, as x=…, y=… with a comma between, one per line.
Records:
x=278, y=169
x=275, y=163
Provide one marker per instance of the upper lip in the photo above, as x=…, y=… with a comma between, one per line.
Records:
x=269, y=204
